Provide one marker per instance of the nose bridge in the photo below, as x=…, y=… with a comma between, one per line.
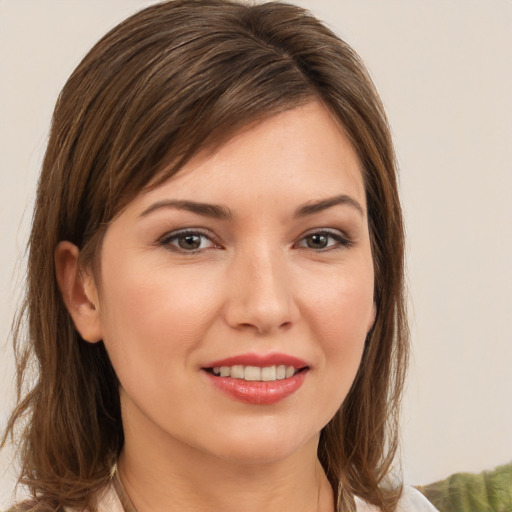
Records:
x=261, y=293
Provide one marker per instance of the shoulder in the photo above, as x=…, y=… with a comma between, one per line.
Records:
x=32, y=505
x=411, y=501
x=108, y=501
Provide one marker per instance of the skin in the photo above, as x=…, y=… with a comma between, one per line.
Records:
x=257, y=282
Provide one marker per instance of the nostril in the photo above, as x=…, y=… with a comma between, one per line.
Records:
x=265, y=327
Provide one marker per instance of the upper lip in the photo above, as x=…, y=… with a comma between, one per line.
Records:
x=261, y=360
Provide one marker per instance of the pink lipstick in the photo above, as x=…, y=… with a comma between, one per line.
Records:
x=256, y=378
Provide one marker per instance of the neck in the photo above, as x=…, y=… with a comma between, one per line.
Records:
x=165, y=476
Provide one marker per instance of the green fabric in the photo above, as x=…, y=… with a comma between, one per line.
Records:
x=489, y=491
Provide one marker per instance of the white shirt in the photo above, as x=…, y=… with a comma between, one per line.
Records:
x=411, y=501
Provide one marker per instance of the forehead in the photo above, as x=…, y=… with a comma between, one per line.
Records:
x=301, y=153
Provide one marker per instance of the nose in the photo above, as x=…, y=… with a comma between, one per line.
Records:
x=261, y=296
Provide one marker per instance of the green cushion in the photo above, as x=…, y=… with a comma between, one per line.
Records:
x=489, y=491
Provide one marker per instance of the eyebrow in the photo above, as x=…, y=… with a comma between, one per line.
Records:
x=313, y=207
x=221, y=212
x=205, y=209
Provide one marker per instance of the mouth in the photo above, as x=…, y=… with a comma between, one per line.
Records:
x=257, y=379
x=256, y=373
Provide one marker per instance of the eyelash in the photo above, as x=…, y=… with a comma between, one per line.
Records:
x=167, y=240
x=340, y=240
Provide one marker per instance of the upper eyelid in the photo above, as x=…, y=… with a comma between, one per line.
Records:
x=172, y=235
x=329, y=231
x=342, y=240
x=187, y=231
x=334, y=232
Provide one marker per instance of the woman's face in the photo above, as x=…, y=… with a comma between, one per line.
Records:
x=251, y=264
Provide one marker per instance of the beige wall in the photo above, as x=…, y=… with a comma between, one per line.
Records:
x=444, y=72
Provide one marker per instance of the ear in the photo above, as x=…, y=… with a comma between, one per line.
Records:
x=79, y=292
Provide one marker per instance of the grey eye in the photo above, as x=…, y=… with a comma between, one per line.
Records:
x=324, y=240
x=317, y=241
x=189, y=242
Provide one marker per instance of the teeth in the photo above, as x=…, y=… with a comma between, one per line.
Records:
x=255, y=373
x=252, y=373
x=269, y=373
x=237, y=372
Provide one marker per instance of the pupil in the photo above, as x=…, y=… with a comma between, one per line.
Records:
x=317, y=241
x=190, y=242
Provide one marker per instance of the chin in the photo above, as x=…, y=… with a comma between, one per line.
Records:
x=265, y=446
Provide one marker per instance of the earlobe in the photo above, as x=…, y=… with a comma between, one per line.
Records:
x=79, y=292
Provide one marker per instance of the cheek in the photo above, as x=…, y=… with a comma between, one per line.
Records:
x=342, y=308
x=152, y=315
x=340, y=317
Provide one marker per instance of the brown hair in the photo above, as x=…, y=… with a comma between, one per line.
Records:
x=166, y=82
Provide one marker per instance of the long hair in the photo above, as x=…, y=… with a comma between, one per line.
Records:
x=170, y=80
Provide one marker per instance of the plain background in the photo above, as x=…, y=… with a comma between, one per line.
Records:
x=444, y=71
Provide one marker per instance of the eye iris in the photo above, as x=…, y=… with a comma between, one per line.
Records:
x=189, y=242
x=318, y=241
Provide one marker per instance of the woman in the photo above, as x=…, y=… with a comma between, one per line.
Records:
x=215, y=283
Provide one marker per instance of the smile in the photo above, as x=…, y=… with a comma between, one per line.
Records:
x=255, y=373
x=257, y=379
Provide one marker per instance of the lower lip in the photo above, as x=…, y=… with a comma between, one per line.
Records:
x=256, y=392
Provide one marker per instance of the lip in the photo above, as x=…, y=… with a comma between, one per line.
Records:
x=256, y=392
x=261, y=360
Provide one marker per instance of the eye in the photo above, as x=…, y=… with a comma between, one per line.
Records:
x=324, y=240
x=187, y=241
